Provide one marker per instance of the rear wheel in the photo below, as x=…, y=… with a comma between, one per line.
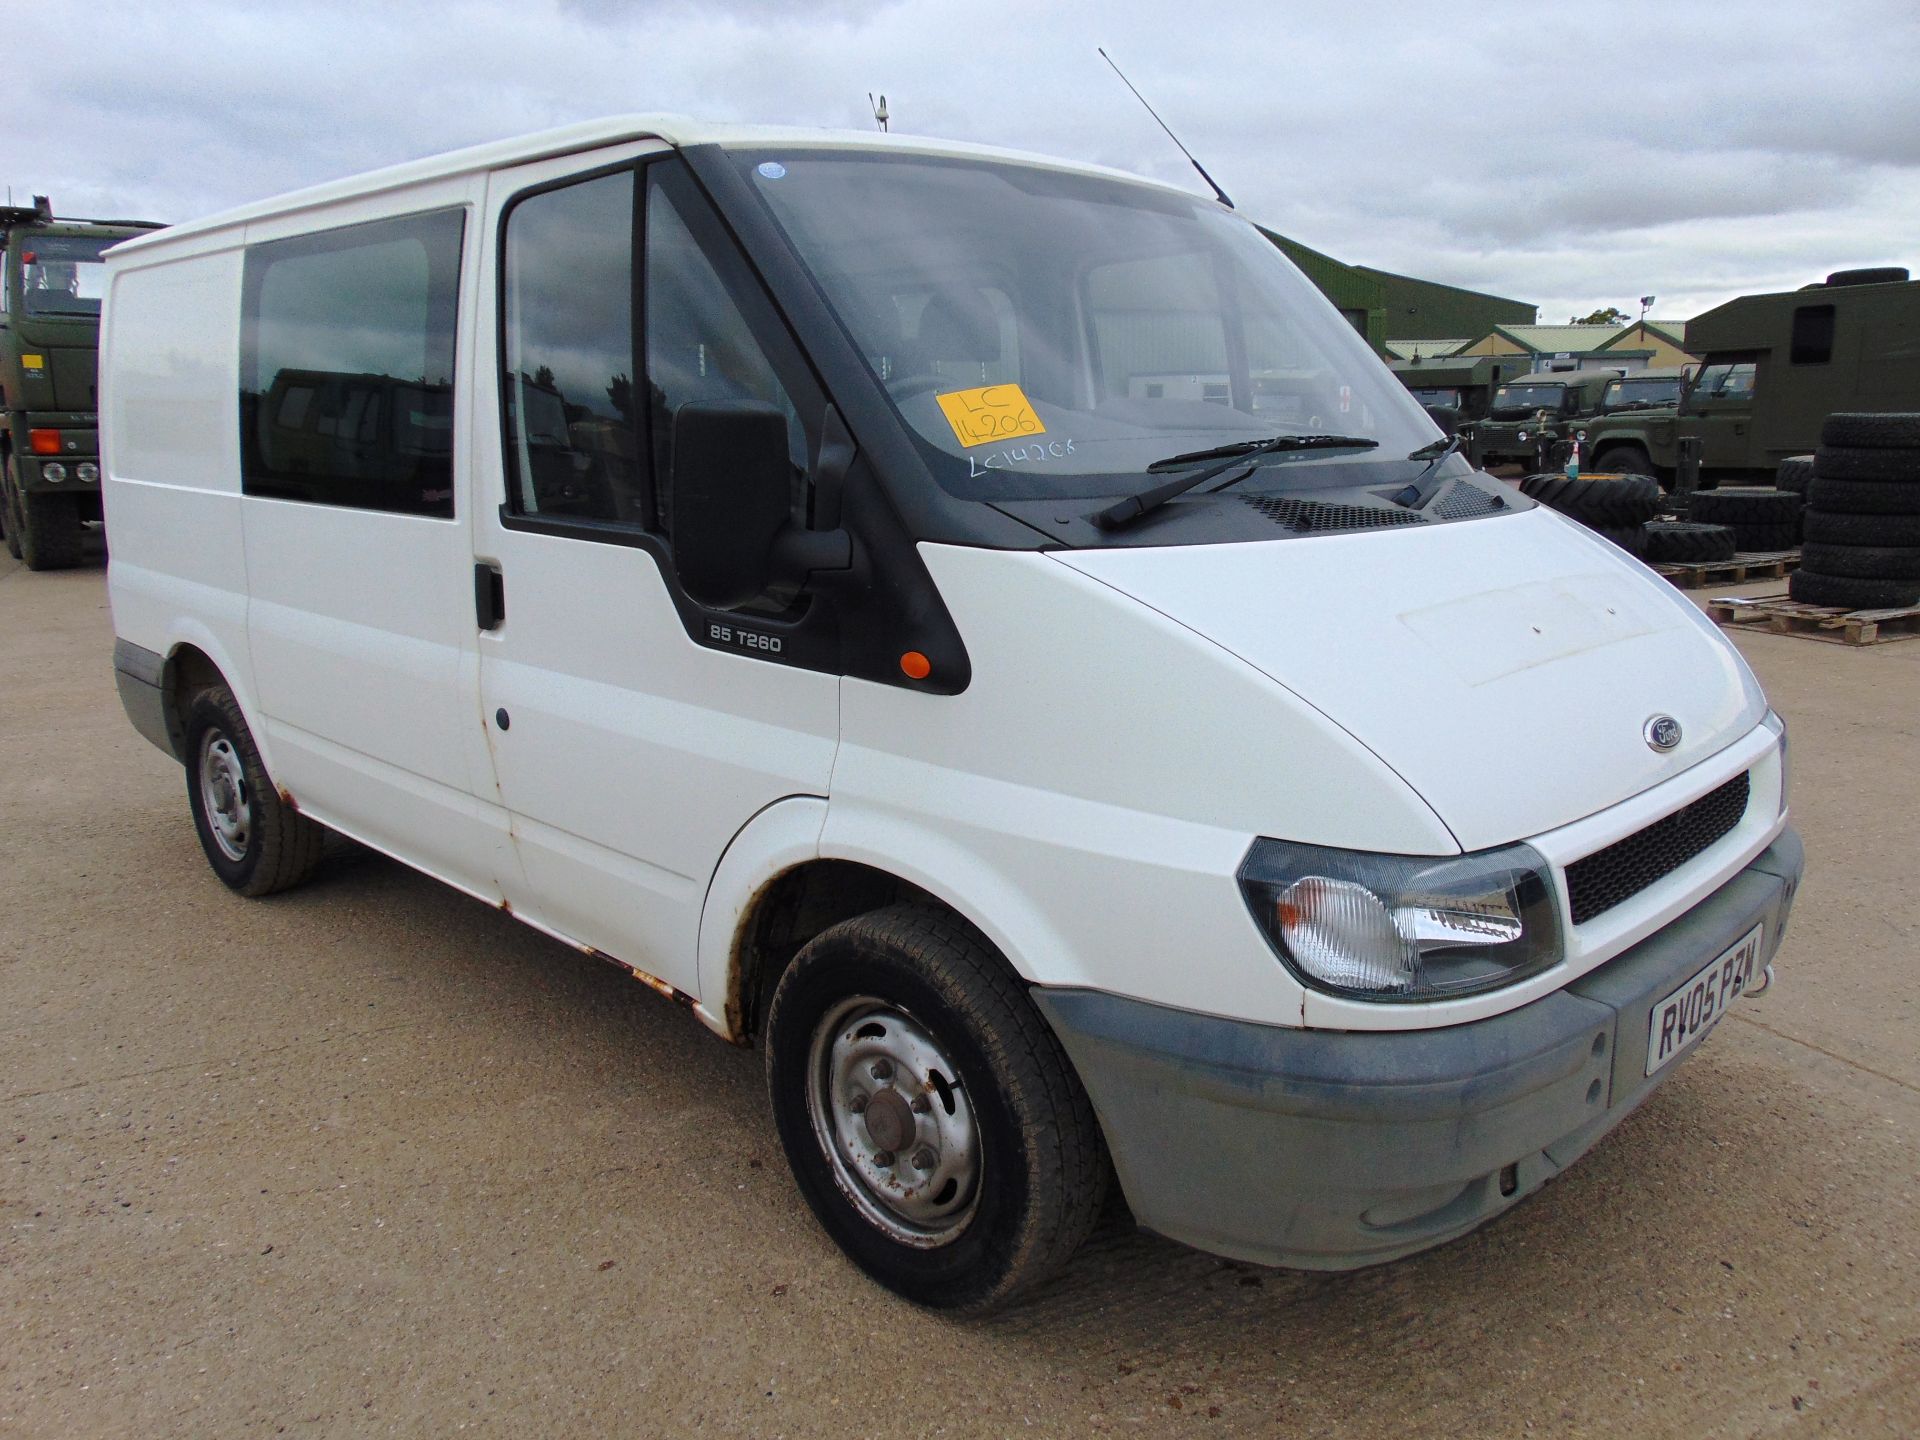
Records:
x=50, y=533
x=931, y=1119
x=10, y=507
x=256, y=842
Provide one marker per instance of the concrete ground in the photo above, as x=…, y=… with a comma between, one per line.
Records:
x=370, y=1158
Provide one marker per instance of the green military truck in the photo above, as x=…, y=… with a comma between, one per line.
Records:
x=1459, y=388
x=1773, y=367
x=1637, y=421
x=50, y=297
x=1556, y=402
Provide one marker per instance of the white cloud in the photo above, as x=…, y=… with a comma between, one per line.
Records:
x=1558, y=153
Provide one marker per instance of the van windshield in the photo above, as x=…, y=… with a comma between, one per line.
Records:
x=1051, y=334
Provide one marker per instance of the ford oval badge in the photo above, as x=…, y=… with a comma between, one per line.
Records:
x=1662, y=733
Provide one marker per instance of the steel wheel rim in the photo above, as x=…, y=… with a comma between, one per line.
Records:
x=891, y=1114
x=225, y=795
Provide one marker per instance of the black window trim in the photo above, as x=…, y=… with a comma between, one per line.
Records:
x=249, y=338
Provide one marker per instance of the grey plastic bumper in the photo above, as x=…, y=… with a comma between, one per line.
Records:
x=1329, y=1150
x=140, y=676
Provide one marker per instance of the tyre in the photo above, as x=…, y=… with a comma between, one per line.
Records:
x=1894, y=430
x=1616, y=502
x=1869, y=275
x=50, y=533
x=1794, y=474
x=1623, y=460
x=1687, y=543
x=256, y=842
x=1852, y=462
x=1863, y=562
x=1813, y=588
x=10, y=506
x=1825, y=528
x=1766, y=537
x=1863, y=497
x=1745, y=505
x=931, y=1119
x=1630, y=538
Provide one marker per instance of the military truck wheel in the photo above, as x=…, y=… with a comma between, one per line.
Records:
x=1869, y=275
x=1892, y=431
x=1683, y=542
x=1812, y=588
x=1794, y=473
x=10, y=507
x=50, y=533
x=1615, y=502
x=256, y=842
x=1623, y=460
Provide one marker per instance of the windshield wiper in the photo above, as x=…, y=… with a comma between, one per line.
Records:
x=1240, y=449
x=1417, y=494
x=1125, y=512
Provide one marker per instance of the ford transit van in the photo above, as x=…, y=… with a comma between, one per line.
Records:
x=984, y=631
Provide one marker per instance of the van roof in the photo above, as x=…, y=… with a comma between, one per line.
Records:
x=675, y=130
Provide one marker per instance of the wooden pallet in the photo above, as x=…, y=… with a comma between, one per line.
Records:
x=1831, y=623
x=1751, y=565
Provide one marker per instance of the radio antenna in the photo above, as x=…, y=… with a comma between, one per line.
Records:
x=1225, y=199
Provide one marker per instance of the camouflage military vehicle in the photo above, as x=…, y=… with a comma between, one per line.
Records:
x=1558, y=401
x=1637, y=421
x=1461, y=386
x=1773, y=367
x=50, y=293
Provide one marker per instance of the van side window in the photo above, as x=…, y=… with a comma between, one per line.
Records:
x=700, y=347
x=346, y=365
x=572, y=427
x=1812, y=335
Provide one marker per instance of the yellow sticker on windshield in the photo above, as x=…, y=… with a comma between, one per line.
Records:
x=990, y=413
x=33, y=362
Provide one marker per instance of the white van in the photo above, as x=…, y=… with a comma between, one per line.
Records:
x=984, y=630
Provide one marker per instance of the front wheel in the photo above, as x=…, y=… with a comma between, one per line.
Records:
x=256, y=842
x=930, y=1117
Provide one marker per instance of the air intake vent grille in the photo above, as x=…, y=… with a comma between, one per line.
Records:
x=1466, y=502
x=1605, y=878
x=1313, y=517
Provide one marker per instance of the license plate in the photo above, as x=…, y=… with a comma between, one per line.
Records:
x=1689, y=1012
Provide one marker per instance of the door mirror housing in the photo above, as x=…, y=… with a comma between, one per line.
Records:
x=732, y=486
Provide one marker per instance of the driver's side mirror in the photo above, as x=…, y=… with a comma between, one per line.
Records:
x=732, y=487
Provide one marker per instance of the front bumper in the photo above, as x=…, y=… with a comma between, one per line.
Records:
x=1329, y=1150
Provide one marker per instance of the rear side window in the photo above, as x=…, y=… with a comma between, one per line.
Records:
x=346, y=366
x=1812, y=335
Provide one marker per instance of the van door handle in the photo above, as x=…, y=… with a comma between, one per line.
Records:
x=489, y=596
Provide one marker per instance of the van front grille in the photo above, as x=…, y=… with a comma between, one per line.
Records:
x=1314, y=517
x=1602, y=880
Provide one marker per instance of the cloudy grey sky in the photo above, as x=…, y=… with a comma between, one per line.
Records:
x=1574, y=155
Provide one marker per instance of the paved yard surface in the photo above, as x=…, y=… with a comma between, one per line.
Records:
x=370, y=1158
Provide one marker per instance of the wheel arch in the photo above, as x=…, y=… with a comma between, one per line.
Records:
x=196, y=660
x=778, y=886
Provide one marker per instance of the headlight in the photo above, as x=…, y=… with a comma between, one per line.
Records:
x=53, y=472
x=1775, y=722
x=86, y=472
x=1521, y=436
x=1403, y=927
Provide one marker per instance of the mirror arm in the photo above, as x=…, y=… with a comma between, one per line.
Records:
x=802, y=556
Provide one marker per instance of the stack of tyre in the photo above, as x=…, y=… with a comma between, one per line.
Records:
x=1616, y=506
x=1761, y=518
x=1862, y=547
